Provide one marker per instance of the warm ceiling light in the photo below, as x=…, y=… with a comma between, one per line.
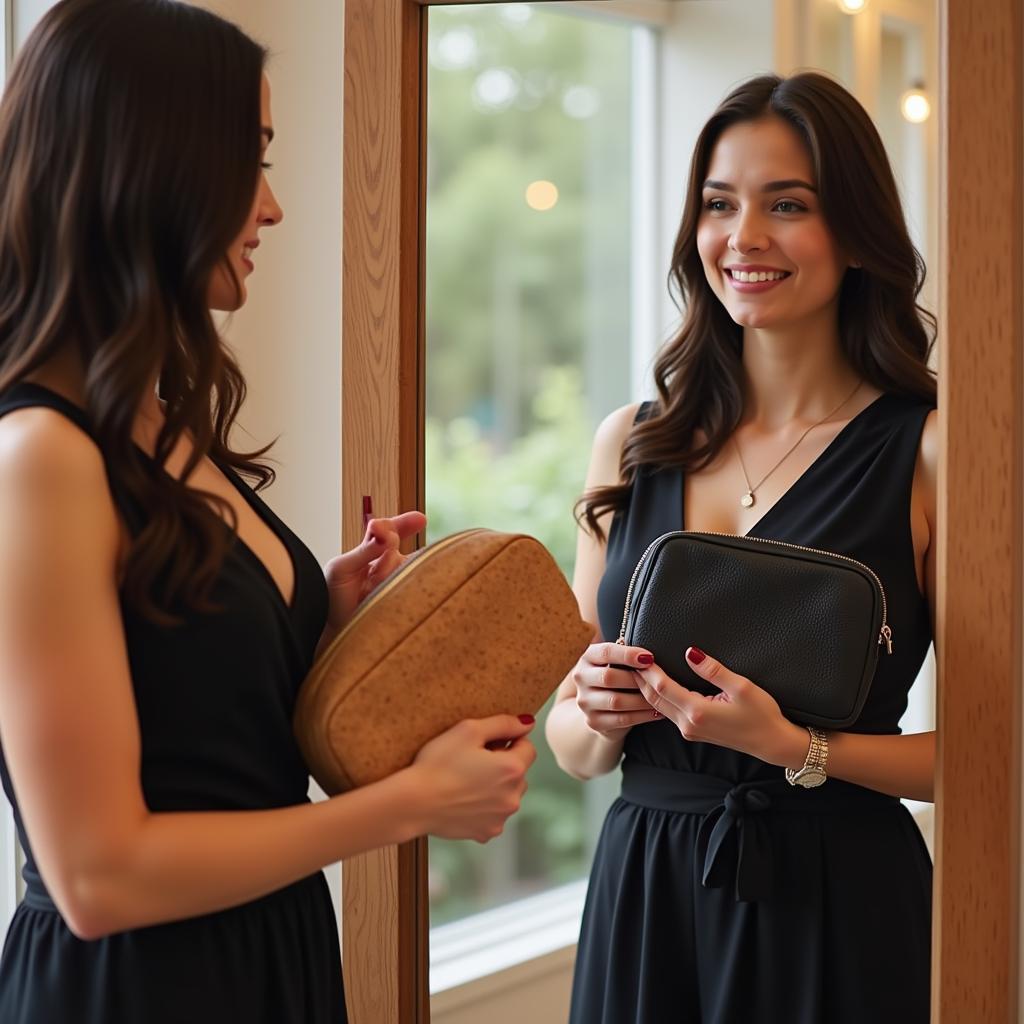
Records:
x=541, y=195
x=852, y=6
x=914, y=104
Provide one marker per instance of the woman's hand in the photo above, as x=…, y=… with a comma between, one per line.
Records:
x=742, y=716
x=608, y=689
x=474, y=776
x=352, y=575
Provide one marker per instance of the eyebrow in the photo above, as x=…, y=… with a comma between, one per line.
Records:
x=269, y=132
x=770, y=186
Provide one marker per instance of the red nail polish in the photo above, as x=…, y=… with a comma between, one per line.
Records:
x=695, y=655
x=527, y=719
x=367, y=510
x=645, y=659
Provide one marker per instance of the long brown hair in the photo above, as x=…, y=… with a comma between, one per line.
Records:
x=129, y=160
x=886, y=336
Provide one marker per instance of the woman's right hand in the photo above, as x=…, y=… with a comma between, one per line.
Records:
x=474, y=776
x=607, y=691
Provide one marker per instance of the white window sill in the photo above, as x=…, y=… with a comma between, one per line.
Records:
x=497, y=940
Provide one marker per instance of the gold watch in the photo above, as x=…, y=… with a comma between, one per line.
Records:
x=813, y=772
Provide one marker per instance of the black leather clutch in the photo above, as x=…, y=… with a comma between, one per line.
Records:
x=806, y=625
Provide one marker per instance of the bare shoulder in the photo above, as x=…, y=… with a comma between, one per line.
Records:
x=53, y=479
x=39, y=446
x=609, y=438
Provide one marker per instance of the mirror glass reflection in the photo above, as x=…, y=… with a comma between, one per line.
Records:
x=529, y=260
x=558, y=141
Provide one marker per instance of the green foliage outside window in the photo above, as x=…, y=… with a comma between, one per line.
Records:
x=531, y=487
x=527, y=339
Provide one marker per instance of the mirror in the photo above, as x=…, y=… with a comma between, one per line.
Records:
x=558, y=141
x=533, y=186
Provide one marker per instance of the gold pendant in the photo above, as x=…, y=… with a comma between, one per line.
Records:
x=747, y=501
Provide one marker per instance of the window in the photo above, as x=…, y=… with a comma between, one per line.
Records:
x=537, y=284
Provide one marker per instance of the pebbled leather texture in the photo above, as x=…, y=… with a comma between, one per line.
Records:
x=802, y=625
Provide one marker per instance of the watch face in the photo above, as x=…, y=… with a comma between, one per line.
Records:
x=810, y=777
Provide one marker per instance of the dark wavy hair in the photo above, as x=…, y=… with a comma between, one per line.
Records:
x=885, y=334
x=129, y=160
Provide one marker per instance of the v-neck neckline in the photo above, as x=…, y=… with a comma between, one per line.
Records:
x=229, y=474
x=754, y=530
x=250, y=496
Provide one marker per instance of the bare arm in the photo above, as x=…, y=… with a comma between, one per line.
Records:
x=70, y=732
x=586, y=749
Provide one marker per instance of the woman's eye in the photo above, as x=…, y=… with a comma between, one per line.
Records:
x=793, y=207
x=266, y=166
x=716, y=204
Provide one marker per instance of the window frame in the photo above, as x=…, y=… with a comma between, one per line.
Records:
x=978, y=622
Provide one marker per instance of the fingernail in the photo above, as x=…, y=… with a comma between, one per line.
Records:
x=695, y=655
x=367, y=510
x=645, y=659
x=527, y=719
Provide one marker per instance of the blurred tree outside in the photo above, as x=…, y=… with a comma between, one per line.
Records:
x=527, y=333
x=531, y=487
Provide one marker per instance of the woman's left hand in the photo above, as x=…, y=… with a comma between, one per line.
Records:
x=742, y=716
x=352, y=575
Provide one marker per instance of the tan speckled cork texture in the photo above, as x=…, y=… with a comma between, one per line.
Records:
x=478, y=624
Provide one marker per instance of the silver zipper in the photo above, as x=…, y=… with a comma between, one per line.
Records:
x=884, y=634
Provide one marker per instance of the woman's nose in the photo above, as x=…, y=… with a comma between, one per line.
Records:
x=748, y=235
x=270, y=210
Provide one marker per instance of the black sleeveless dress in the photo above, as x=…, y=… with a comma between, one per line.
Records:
x=720, y=894
x=214, y=699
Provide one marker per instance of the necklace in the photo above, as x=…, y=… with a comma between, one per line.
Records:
x=747, y=501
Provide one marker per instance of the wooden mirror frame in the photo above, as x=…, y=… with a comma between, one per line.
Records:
x=981, y=479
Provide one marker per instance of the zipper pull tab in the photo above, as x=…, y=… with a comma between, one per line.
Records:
x=622, y=639
x=885, y=637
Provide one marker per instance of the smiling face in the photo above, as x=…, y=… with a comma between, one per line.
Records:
x=766, y=250
x=264, y=212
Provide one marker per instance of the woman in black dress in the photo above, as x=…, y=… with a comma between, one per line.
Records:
x=156, y=618
x=795, y=404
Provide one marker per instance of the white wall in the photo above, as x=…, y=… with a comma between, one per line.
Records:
x=287, y=337
x=24, y=14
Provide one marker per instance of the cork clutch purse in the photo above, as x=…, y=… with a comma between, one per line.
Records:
x=477, y=624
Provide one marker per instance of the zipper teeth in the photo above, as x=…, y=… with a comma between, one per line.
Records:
x=759, y=540
x=632, y=584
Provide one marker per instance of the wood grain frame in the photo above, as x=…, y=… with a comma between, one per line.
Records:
x=975, y=939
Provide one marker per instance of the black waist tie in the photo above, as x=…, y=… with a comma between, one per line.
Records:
x=734, y=839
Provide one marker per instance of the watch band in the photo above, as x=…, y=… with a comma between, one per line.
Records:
x=814, y=762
